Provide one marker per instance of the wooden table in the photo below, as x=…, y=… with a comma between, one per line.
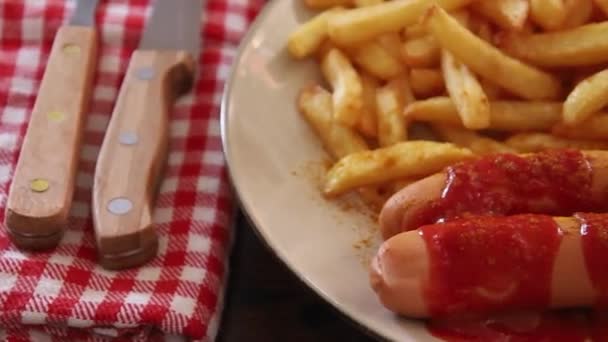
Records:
x=266, y=302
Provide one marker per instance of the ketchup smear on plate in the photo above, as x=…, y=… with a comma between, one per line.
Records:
x=484, y=264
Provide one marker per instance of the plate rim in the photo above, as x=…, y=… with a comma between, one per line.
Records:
x=224, y=110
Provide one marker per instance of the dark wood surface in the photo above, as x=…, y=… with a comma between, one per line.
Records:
x=266, y=302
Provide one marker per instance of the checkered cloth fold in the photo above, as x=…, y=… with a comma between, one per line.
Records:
x=63, y=294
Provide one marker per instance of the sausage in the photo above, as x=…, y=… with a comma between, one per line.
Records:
x=556, y=182
x=485, y=265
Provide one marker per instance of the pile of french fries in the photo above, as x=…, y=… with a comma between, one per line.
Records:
x=484, y=76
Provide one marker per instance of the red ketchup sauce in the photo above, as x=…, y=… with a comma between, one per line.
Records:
x=554, y=182
x=522, y=251
x=486, y=264
x=594, y=239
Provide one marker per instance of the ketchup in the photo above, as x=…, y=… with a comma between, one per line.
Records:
x=552, y=326
x=594, y=237
x=522, y=249
x=485, y=264
x=553, y=182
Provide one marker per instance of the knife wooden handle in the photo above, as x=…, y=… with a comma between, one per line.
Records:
x=42, y=188
x=132, y=155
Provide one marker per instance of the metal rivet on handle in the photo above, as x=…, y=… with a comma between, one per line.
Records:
x=128, y=138
x=120, y=206
x=39, y=185
x=55, y=116
x=71, y=49
x=145, y=73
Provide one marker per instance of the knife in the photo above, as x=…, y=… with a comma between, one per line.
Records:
x=135, y=145
x=42, y=188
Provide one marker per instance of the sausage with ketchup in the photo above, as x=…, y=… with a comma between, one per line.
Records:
x=487, y=264
x=556, y=182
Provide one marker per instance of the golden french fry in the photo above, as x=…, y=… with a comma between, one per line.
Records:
x=376, y=60
x=324, y=4
x=602, y=5
x=363, y=3
x=535, y=142
x=511, y=116
x=462, y=16
x=584, y=45
x=315, y=105
x=365, y=23
x=594, y=128
x=475, y=142
x=414, y=31
x=368, y=123
x=587, y=98
x=489, y=62
x=390, y=101
x=392, y=43
x=548, y=14
x=403, y=160
x=467, y=95
x=309, y=37
x=507, y=14
x=422, y=52
x=579, y=12
x=346, y=84
x=426, y=82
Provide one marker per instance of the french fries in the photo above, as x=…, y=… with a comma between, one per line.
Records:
x=588, y=97
x=315, y=105
x=368, y=122
x=509, y=116
x=580, y=12
x=401, y=161
x=363, y=3
x=594, y=128
x=392, y=43
x=391, y=100
x=584, y=45
x=324, y=4
x=421, y=52
x=346, y=84
x=535, y=142
x=549, y=14
x=426, y=82
x=467, y=95
x=308, y=38
x=414, y=31
x=363, y=24
x=488, y=61
x=508, y=14
x=417, y=85
x=377, y=61
x=477, y=143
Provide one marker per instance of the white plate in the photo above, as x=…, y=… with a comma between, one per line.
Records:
x=268, y=147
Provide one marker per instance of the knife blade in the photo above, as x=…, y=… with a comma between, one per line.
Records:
x=135, y=145
x=42, y=188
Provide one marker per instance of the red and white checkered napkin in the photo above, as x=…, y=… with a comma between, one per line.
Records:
x=64, y=294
